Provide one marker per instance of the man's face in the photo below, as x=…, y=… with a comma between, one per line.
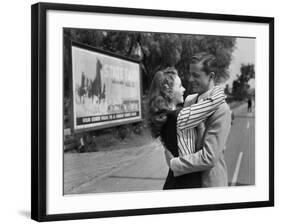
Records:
x=200, y=80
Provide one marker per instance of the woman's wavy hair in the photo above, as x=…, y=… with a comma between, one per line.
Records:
x=159, y=98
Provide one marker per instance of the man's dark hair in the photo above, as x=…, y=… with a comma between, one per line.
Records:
x=208, y=61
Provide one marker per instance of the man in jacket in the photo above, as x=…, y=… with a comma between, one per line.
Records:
x=212, y=134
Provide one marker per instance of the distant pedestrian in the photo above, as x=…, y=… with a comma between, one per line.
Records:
x=249, y=105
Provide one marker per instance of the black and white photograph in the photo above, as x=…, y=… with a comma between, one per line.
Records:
x=140, y=112
x=150, y=111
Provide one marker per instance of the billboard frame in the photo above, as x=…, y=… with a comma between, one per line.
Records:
x=111, y=54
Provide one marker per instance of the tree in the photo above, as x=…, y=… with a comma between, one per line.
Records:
x=240, y=86
x=158, y=50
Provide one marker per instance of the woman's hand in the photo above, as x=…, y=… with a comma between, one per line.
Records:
x=168, y=156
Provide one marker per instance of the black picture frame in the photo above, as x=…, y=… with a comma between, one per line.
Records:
x=39, y=109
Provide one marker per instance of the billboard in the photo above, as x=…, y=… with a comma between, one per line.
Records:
x=106, y=89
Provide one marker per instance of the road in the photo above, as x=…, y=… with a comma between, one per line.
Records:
x=145, y=168
x=240, y=148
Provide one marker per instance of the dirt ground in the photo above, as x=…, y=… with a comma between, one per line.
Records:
x=113, y=154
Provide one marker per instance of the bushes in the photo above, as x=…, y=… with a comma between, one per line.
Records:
x=95, y=140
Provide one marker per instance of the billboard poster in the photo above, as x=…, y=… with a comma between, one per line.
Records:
x=106, y=89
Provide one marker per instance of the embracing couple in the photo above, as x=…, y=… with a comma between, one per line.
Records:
x=194, y=136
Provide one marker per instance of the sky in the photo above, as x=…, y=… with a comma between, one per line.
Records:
x=243, y=53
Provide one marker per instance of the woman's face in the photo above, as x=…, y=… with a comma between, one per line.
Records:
x=178, y=91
